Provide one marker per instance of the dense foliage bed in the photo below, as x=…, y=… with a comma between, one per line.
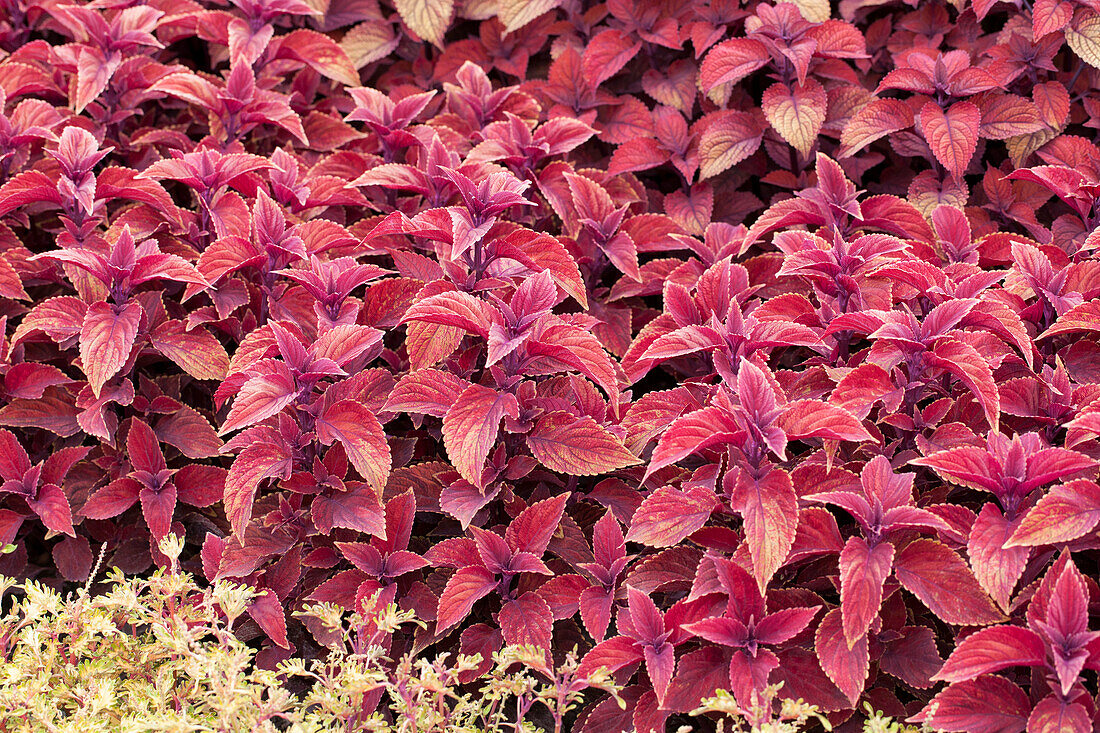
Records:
x=740, y=351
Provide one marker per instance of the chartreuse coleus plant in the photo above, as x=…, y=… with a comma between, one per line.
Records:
x=744, y=351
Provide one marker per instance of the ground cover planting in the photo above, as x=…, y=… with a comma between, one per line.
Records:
x=636, y=365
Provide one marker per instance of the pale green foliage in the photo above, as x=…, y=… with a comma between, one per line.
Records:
x=876, y=722
x=158, y=654
x=765, y=715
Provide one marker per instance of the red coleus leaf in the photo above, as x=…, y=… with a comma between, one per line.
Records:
x=14, y=462
x=844, y=662
x=729, y=138
x=200, y=485
x=262, y=396
x=797, y=113
x=814, y=419
x=321, y=53
x=454, y=309
x=988, y=704
x=106, y=339
x=612, y=655
x=470, y=428
x=606, y=54
x=952, y=135
x=426, y=391
x=668, y=515
x=863, y=571
x=577, y=446
x=362, y=436
x=660, y=663
x=996, y=566
x=1007, y=115
x=465, y=588
x=534, y=527
x=991, y=650
x=197, y=352
x=913, y=656
x=940, y=579
x=257, y=462
x=878, y=118
x=769, y=507
x=52, y=507
x=731, y=61
x=1052, y=714
x=267, y=611
x=158, y=507
x=1065, y=513
x=963, y=361
x=691, y=433
x=526, y=620
x=357, y=508
x=113, y=499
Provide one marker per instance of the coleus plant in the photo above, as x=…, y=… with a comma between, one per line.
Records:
x=731, y=344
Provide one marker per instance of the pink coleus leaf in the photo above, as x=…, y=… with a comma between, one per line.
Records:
x=606, y=54
x=196, y=351
x=534, y=527
x=52, y=506
x=731, y=61
x=660, y=663
x=1053, y=715
x=426, y=391
x=816, y=419
x=112, y=499
x=964, y=361
x=612, y=655
x=457, y=309
x=261, y=397
x=268, y=613
x=14, y=462
x=357, y=508
x=255, y=463
x=691, y=433
x=158, y=507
